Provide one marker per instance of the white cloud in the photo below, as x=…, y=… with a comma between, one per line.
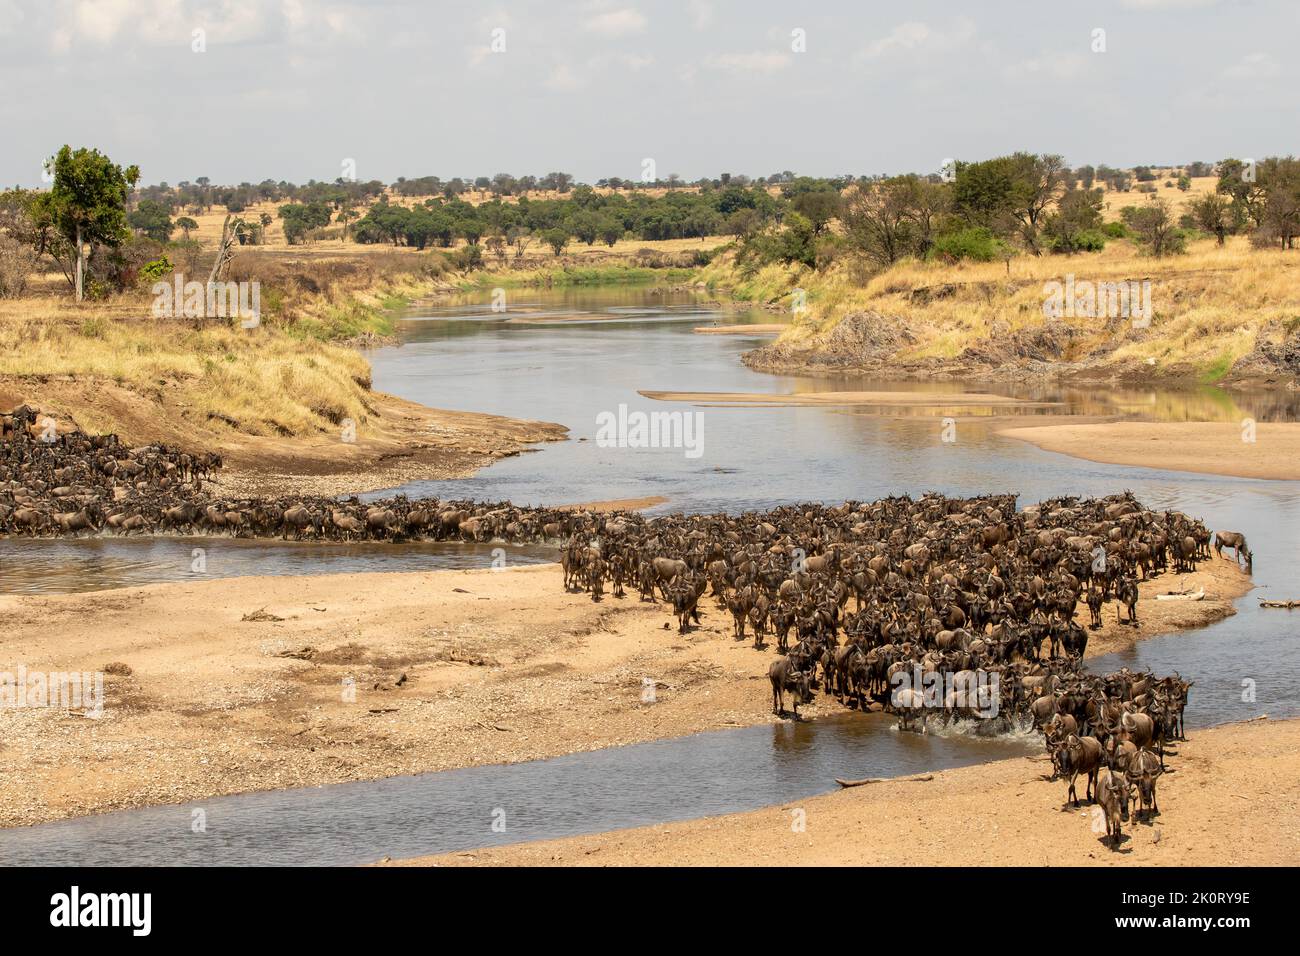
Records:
x=563, y=78
x=100, y=20
x=1253, y=66
x=568, y=76
x=617, y=23
x=10, y=16
x=1060, y=66
x=701, y=14
x=915, y=35
x=756, y=62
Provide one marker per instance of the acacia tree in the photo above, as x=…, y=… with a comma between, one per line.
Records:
x=1037, y=181
x=1281, y=217
x=1077, y=213
x=557, y=239
x=87, y=203
x=1213, y=213
x=1154, y=228
x=879, y=221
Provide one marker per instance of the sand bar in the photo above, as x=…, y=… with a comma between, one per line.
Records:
x=1214, y=448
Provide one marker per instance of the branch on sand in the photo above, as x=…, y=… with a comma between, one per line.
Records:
x=866, y=780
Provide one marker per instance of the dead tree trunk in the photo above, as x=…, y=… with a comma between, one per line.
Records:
x=223, y=251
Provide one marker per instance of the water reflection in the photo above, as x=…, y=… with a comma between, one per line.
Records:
x=57, y=566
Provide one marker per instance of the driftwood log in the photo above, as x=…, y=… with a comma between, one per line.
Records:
x=859, y=783
x=1286, y=604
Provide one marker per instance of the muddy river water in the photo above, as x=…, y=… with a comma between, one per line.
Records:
x=568, y=356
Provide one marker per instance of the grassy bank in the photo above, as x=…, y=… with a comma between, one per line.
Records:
x=1212, y=308
x=294, y=374
x=260, y=381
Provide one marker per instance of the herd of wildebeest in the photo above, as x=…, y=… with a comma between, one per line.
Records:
x=937, y=609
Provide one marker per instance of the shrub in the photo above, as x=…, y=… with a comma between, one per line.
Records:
x=976, y=243
x=17, y=262
x=1089, y=240
x=154, y=270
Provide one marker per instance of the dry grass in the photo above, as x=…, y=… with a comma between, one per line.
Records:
x=267, y=381
x=1210, y=306
x=294, y=375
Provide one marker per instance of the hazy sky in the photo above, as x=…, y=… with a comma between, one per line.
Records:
x=290, y=89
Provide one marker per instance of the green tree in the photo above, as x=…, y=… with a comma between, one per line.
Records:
x=1245, y=187
x=301, y=218
x=187, y=225
x=557, y=239
x=1213, y=213
x=879, y=220
x=1075, y=224
x=1154, y=228
x=87, y=204
x=151, y=218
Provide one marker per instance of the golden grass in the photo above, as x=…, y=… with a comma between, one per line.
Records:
x=263, y=379
x=1210, y=305
x=293, y=375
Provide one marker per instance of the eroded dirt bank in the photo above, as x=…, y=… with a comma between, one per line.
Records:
x=241, y=684
x=1229, y=799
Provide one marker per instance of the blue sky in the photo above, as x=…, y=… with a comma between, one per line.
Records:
x=290, y=89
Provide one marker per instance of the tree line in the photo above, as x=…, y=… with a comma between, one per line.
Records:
x=102, y=230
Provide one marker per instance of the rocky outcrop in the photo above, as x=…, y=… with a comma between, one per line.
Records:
x=1275, y=358
x=859, y=340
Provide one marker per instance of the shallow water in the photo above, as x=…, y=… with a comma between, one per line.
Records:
x=704, y=774
x=67, y=565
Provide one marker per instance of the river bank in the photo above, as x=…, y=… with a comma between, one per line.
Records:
x=1226, y=787
x=993, y=321
x=244, y=684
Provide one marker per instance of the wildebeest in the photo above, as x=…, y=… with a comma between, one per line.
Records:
x=784, y=677
x=1237, y=541
x=1112, y=799
x=1079, y=755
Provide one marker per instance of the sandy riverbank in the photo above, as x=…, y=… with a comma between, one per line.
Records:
x=1214, y=448
x=898, y=399
x=1228, y=800
x=768, y=328
x=450, y=669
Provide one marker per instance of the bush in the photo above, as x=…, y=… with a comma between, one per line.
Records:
x=154, y=270
x=976, y=244
x=1115, y=230
x=1089, y=240
x=17, y=262
x=469, y=257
